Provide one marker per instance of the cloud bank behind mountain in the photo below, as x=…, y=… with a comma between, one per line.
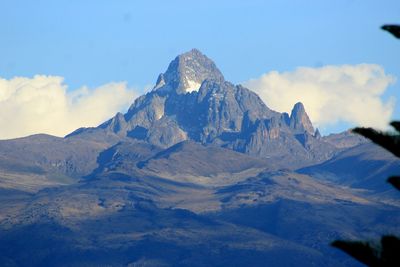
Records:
x=352, y=94
x=43, y=104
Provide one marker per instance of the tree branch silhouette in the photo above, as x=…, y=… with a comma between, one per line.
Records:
x=387, y=253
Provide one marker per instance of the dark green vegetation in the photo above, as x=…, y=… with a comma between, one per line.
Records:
x=198, y=172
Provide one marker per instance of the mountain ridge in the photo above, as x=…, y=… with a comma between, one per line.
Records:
x=217, y=112
x=198, y=172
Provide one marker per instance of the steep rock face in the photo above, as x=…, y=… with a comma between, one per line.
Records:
x=221, y=110
x=192, y=101
x=299, y=120
x=187, y=71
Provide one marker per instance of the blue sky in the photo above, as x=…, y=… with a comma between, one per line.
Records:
x=97, y=42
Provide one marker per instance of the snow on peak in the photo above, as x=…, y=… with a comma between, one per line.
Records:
x=192, y=86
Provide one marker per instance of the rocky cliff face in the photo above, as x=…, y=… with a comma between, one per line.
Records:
x=187, y=71
x=192, y=101
x=299, y=120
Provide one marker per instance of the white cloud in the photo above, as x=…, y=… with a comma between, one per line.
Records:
x=330, y=94
x=43, y=104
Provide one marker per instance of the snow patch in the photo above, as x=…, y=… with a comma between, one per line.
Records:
x=159, y=85
x=159, y=113
x=192, y=86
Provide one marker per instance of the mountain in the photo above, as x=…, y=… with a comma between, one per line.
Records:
x=35, y=162
x=192, y=101
x=198, y=172
x=365, y=166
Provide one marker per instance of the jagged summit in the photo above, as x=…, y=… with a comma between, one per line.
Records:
x=299, y=120
x=187, y=71
x=192, y=102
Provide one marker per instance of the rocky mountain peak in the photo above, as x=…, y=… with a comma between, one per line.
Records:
x=220, y=113
x=187, y=71
x=317, y=134
x=299, y=120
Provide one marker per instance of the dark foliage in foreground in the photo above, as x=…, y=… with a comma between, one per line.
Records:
x=393, y=29
x=387, y=253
